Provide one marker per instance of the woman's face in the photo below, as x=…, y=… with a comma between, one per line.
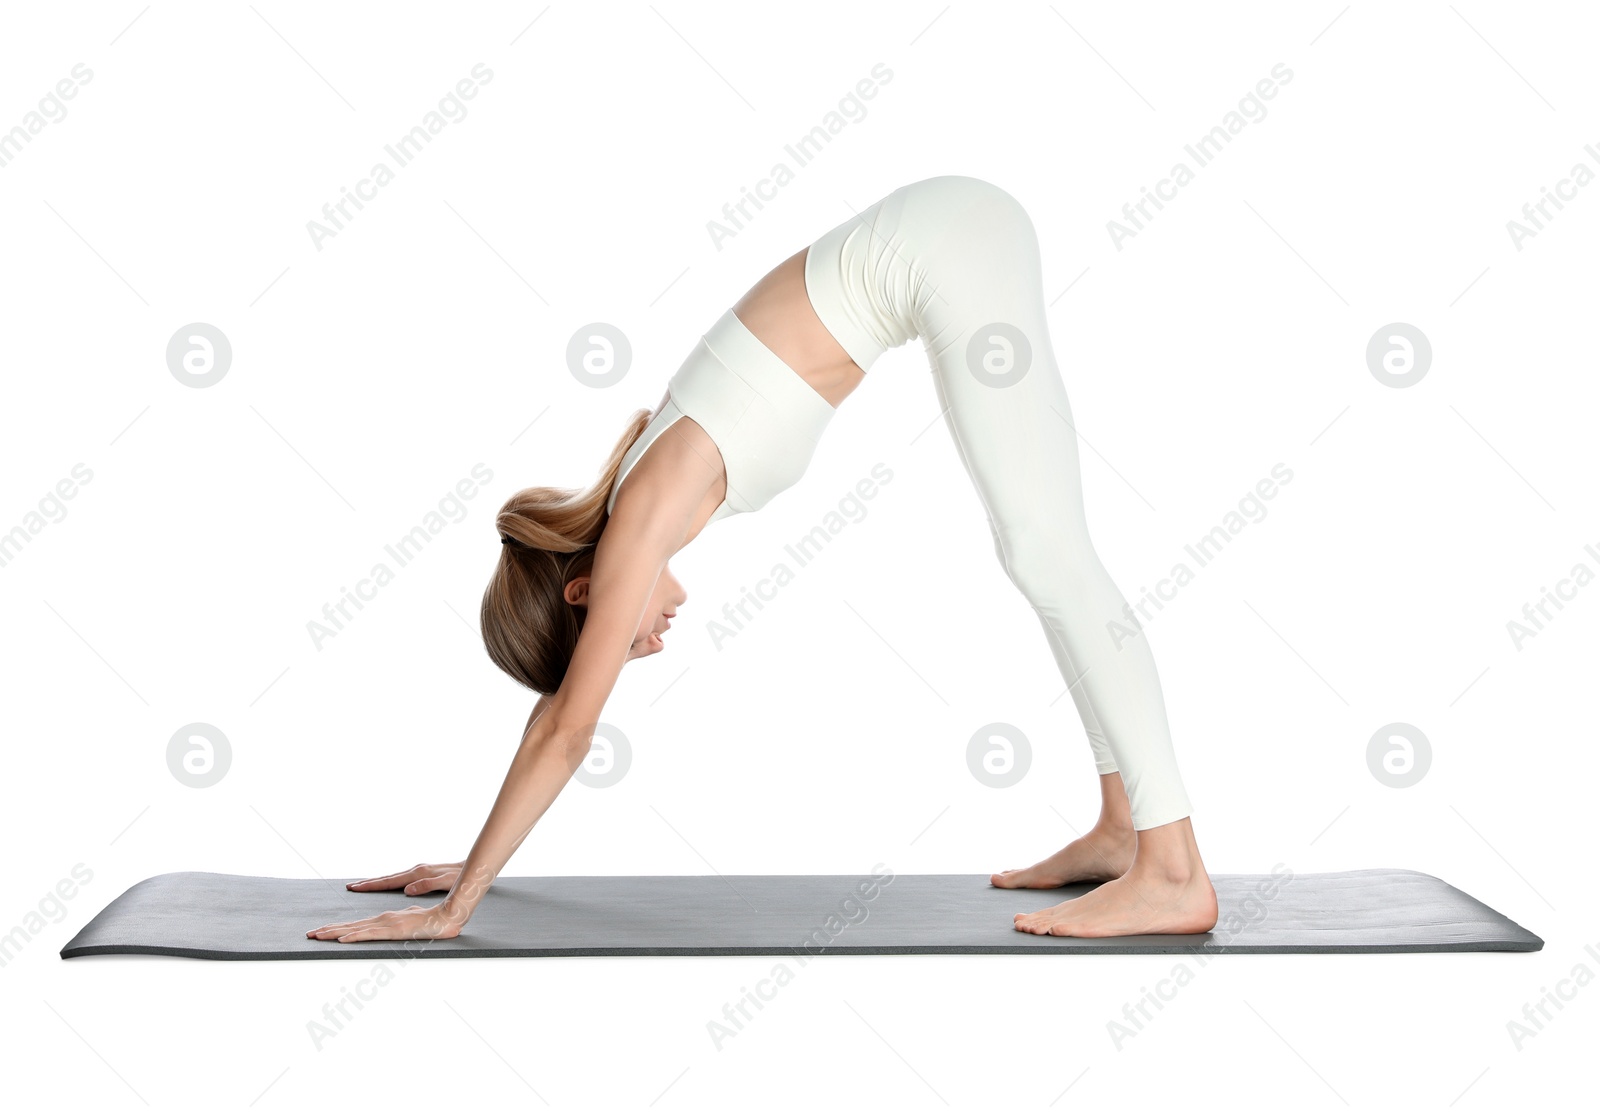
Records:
x=658, y=612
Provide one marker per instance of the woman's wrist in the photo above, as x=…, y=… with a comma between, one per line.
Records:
x=453, y=911
x=464, y=896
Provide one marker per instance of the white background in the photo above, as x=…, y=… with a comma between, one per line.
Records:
x=368, y=377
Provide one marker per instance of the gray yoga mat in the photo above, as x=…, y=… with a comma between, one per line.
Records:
x=217, y=915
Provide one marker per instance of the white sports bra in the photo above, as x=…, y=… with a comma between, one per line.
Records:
x=763, y=417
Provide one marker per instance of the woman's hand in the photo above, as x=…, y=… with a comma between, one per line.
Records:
x=415, y=880
x=409, y=923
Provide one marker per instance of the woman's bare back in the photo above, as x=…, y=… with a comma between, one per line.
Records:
x=778, y=312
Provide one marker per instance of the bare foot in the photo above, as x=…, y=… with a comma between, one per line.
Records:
x=1130, y=905
x=1165, y=891
x=1104, y=853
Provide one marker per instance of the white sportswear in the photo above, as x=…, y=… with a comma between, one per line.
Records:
x=954, y=260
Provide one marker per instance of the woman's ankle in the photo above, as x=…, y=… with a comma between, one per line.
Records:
x=1113, y=828
x=1168, y=853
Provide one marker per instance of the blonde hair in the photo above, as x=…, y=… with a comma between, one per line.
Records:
x=529, y=628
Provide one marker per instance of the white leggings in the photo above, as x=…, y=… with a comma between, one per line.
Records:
x=955, y=260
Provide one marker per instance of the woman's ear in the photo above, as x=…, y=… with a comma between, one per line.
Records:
x=576, y=592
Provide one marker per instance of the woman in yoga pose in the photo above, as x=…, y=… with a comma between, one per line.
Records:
x=583, y=586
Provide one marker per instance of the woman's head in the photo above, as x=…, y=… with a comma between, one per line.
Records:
x=534, y=606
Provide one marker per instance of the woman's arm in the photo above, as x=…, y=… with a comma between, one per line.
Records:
x=425, y=877
x=632, y=551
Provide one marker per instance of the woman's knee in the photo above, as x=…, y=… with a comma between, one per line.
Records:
x=1047, y=565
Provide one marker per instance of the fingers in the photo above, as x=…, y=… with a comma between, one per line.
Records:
x=367, y=930
x=352, y=932
x=380, y=883
x=397, y=880
x=331, y=933
x=334, y=930
x=337, y=931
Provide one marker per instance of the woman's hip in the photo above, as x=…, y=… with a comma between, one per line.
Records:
x=921, y=261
